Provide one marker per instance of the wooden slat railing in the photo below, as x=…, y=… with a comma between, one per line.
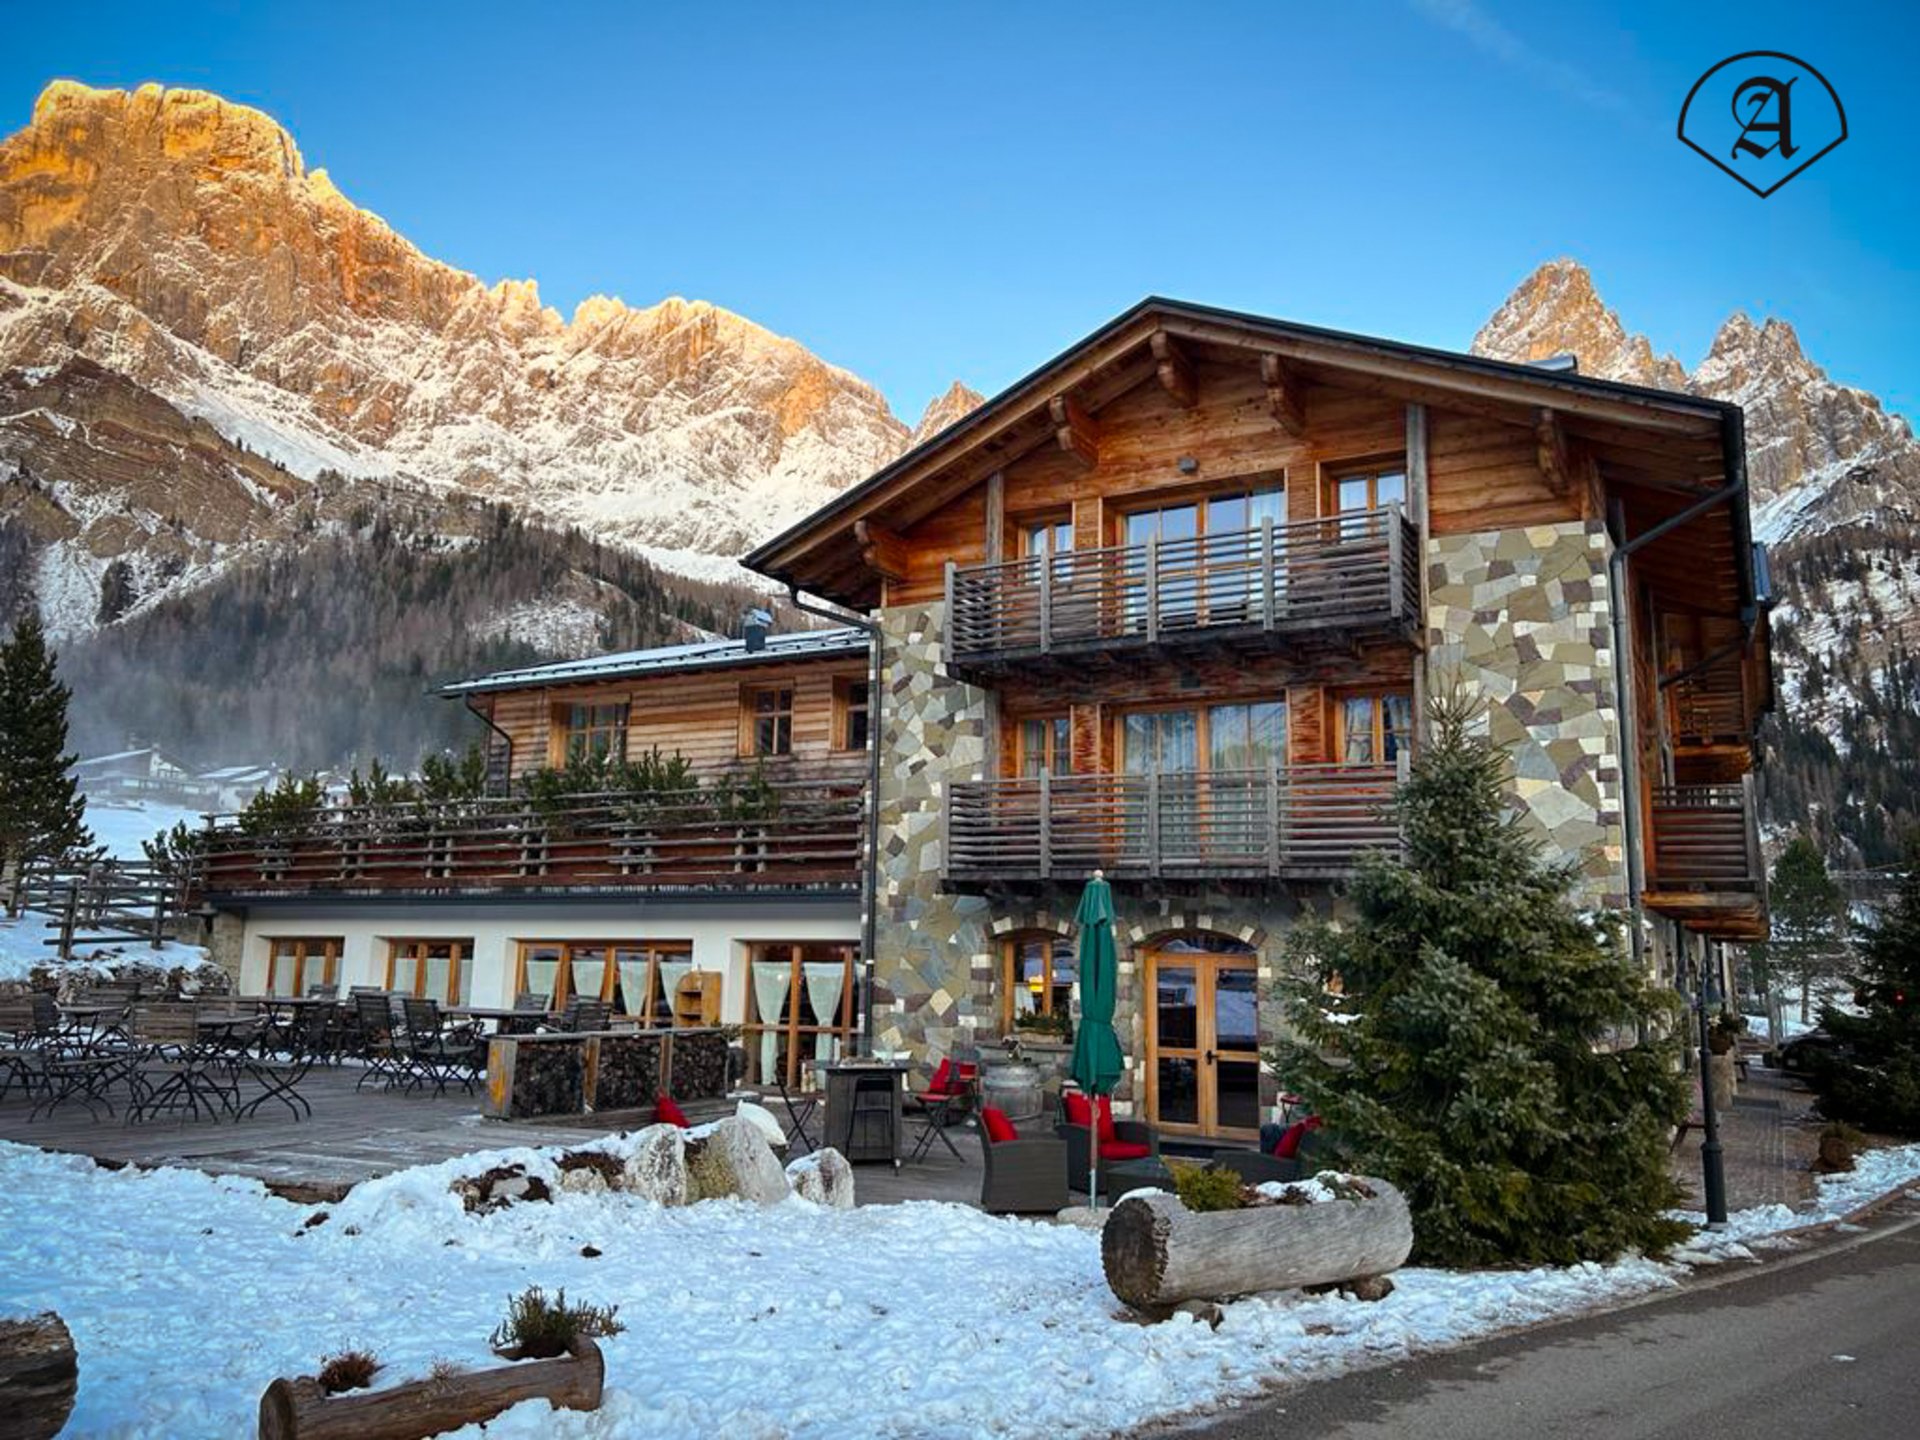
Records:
x=1301, y=821
x=806, y=837
x=1341, y=572
x=1706, y=837
x=1711, y=705
x=100, y=901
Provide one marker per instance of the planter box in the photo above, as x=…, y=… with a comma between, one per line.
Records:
x=300, y=1410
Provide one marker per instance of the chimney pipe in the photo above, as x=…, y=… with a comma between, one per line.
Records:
x=758, y=622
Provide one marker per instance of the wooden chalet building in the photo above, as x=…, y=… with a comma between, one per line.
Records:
x=1169, y=607
x=735, y=901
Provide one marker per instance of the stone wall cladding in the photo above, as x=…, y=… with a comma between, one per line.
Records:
x=1523, y=618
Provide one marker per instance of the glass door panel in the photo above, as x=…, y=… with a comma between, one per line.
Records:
x=1236, y=1086
x=1176, y=1037
x=1236, y=1009
x=1204, y=1043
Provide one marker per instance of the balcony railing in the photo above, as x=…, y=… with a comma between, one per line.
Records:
x=806, y=837
x=1345, y=573
x=1303, y=821
x=1707, y=869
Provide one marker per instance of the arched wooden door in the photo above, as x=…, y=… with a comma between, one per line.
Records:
x=1203, y=1037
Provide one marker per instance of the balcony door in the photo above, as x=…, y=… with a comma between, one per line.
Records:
x=1208, y=558
x=1160, y=750
x=1211, y=766
x=1203, y=1038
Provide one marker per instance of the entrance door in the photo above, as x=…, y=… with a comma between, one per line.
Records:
x=1203, y=1039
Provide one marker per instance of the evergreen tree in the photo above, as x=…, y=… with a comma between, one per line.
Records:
x=42, y=813
x=1808, y=912
x=1873, y=1078
x=1481, y=1050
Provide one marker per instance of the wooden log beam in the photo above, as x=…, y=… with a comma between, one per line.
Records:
x=39, y=1376
x=1157, y=1253
x=1175, y=370
x=883, y=550
x=1551, y=443
x=1283, y=396
x=1074, y=430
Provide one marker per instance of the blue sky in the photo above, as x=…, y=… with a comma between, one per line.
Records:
x=924, y=192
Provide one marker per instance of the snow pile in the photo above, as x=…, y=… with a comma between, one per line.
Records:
x=795, y=1320
x=23, y=946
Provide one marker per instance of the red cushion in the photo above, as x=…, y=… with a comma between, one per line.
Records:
x=1124, y=1150
x=667, y=1111
x=1079, y=1108
x=1106, y=1120
x=1290, y=1138
x=999, y=1127
x=942, y=1080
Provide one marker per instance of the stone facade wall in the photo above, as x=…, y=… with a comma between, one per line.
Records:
x=1523, y=618
x=226, y=944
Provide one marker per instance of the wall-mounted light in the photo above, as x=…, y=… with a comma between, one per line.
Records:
x=1189, y=465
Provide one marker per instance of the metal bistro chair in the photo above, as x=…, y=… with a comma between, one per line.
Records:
x=383, y=1044
x=439, y=1055
x=178, y=1067
x=946, y=1102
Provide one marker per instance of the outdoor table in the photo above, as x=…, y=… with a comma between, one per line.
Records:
x=505, y=1017
x=859, y=1129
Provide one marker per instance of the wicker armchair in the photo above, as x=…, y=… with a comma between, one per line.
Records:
x=1027, y=1175
x=1131, y=1133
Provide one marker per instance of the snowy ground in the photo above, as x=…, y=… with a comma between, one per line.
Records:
x=121, y=825
x=23, y=945
x=187, y=1294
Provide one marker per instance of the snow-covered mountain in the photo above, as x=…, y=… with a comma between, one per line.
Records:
x=1836, y=494
x=181, y=296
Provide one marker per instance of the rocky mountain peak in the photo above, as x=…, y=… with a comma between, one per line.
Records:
x=955, y=404
x=1557, y=311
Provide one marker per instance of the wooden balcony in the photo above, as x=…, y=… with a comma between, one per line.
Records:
x=1302, y=823
x=796, y=838
x=1705, y=867
x=1281, y=586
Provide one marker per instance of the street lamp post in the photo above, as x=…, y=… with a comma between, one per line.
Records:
x=1713, y=1170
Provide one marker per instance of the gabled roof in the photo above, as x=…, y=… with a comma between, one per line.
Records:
x=701, y=655
x=821, y=553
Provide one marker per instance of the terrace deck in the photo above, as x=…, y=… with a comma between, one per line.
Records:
x=356, y=1135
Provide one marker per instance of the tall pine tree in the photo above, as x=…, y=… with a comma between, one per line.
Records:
x=1873, y=1078
x=42, y=813
x=1481, y=1050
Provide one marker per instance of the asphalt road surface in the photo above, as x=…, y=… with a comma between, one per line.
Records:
x=1821, y=1345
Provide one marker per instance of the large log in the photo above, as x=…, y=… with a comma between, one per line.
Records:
x=1158, y=1253
x=39, y=1374
x=301, y=1410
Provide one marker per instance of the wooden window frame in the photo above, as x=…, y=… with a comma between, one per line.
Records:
x=1010, y=981
x=1202, y=725
x=1053, y=740
x=565, y=732
x=330, y=947
x=751, y=716
x=789, y=1027
x=1377, y=695
x=563, y=989
x=845, y=708
x=1369, y=467
x=458, y=964
x=1052, y=521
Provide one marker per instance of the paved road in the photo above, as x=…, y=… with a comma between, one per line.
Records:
x=1824, y=1345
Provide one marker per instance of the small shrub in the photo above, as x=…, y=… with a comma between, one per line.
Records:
x=1840, y=1143
x=1202, y=1188
x=443, y=1370
x=349, y=1370
x=537, y=1328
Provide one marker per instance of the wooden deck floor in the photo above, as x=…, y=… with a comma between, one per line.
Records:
x=356, y=1135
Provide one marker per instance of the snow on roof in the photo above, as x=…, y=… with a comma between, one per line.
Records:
x=701, y=655
x=109, y=759
x=238, y=772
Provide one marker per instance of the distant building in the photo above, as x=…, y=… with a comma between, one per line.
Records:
x=147, y=773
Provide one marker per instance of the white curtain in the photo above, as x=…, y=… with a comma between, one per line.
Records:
x=589, y=973
x=541, y=974
x=672, y=972
x=771, y=980
x=634, y=999
x=439, y=971
x=824, y=984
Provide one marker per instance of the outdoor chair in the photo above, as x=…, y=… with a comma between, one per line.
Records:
x=383, y=1043
x=1119, y=1139
x=530, y=1005
x=800, y=1110
x=946, y=1102
x=439, y=1054
x=1020, y=1174
x=582, y=1017
x=315, y=1032
x=176, y=1066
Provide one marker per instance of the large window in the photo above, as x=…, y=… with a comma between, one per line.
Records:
x=853, y=701
x=637, y=977
x=1212, y=764
x=800, y=1007
x=296, y=965
x=767, y=727
x=598, y=731
x=1355, y=491
x=431, y=969
x=1208, y=566
x=1037, y=972
x=1374, y=729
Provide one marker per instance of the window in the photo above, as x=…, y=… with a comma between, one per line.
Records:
x=800, y=1007
x=596, y=731
x=1046, y=744
x=1375, y=729
x=431, y=969
x=1046, y=537
x=769, y=721
x=637, y=977
x=1212, y=763
x=1037, y=972
x=295, y=966
x=855, y=706
x=1355, y=491
x=1208, y=554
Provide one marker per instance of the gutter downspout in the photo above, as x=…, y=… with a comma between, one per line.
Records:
x=1623, y=680
x=487, y=720
x=870, y=866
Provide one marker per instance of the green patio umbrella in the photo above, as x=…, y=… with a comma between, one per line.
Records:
x=1097, y=1061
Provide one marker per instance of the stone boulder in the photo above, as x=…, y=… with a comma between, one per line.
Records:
x=657, y=1168
x=824, y=1177
x=765, y=1121
x=733, y=1158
